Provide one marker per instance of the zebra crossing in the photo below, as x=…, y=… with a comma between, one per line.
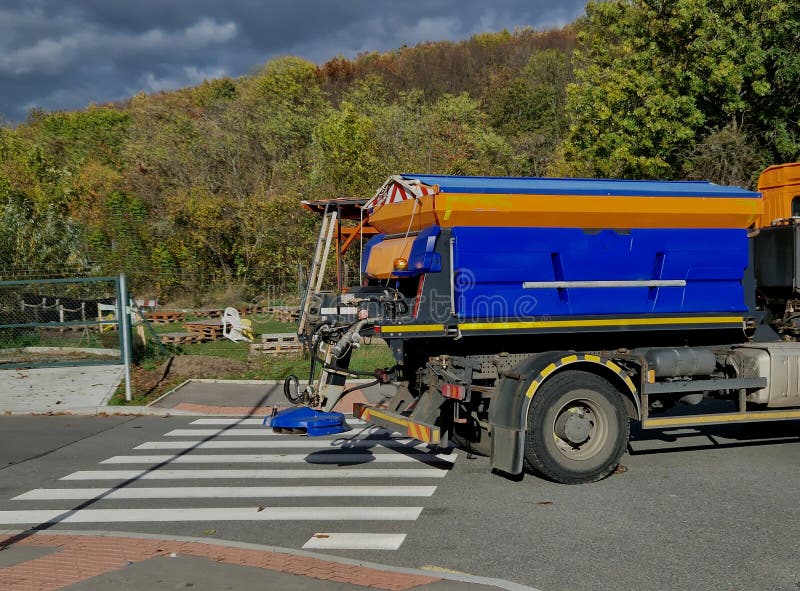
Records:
x=364, y=479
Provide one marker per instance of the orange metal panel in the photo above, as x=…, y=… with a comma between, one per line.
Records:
x=410, y=215
x=779, y=185
x=383, y=254
x=569, y=211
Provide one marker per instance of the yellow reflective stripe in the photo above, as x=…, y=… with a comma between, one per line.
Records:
x=741, y=416
x=532, y=388
x=569, y=359
x=600, y=322
x=548, y=370
x=423, y=433
x=621, y=373
x=413, y=328
x=374, y=413
x=629, y=383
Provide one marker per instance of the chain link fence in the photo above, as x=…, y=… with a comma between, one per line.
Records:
x=45, y=322
x=51, y=320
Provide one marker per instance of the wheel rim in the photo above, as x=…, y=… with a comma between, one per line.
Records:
x=580, y=429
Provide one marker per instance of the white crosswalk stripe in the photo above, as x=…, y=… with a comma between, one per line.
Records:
x=210, y=492
x=168, y=474
x=285, y=444
x=334, y=541
x=361, y=466
x=251, y=421
x=339, y=458
x=212, y=514
x=267, y=432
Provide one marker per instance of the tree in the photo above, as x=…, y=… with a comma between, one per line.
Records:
x=654, y=77
x=345, y=152
x=728, y=156
x=458, y=139
x=39, y=240
x=284, y=99
x=529, y=109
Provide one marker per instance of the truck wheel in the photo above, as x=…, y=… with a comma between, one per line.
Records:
x=577, y=428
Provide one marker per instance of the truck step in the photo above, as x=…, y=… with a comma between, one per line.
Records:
x=721, y=418
x=397, y=422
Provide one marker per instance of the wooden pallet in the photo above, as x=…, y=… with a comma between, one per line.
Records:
x=178, y=338
x=208, y=313
x=277, y=344
x=205, y=330
x=165, y=316
x=286, y=314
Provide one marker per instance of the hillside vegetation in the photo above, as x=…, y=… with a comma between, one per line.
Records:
x=199, y=188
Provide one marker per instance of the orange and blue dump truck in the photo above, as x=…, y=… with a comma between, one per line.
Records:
x=532, y=319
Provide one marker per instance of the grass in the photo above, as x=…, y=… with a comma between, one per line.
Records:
x=365, y=359
x=48, y=337
x=264, y=367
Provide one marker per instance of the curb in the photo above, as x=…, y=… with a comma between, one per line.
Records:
x=111, y=411
x=459, y=577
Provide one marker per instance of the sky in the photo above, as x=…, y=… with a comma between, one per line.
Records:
x=62, y=55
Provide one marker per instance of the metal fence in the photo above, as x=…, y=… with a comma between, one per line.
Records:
x=52, y=322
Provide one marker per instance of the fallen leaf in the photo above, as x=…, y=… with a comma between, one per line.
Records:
x=544, y=503
x=620, y=469
x=321, y=536
x=209, y=532
x=260, y=508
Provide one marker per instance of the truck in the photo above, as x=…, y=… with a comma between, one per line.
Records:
x=533, y=319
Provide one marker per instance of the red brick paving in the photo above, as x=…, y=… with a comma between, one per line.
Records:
x=345, y=405
x=76, y=558
x=223, y=410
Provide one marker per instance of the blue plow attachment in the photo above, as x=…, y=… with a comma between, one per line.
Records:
x=302, y=419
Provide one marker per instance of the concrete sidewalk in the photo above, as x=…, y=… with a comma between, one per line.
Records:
x=86, y=390
x=96, y=561
x=58, y=389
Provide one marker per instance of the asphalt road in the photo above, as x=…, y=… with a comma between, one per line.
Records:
x=710, y=509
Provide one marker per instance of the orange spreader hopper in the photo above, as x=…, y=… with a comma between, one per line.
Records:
x=413, y=202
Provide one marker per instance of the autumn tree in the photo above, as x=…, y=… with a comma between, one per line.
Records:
x=654, y=77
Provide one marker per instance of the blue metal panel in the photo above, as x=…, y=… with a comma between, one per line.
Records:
x=422, y=258
x=598, y=187
x=488, y=280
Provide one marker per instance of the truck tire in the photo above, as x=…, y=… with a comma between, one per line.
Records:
x=578, y=428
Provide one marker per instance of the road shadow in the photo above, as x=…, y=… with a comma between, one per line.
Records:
x=377, y=436
x=60, y=518
x=739, y=435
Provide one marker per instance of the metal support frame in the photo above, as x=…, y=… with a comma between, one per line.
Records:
x=124, y=318
x=317, y=272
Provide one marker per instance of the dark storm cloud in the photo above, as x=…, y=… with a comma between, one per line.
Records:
x=64, y=55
